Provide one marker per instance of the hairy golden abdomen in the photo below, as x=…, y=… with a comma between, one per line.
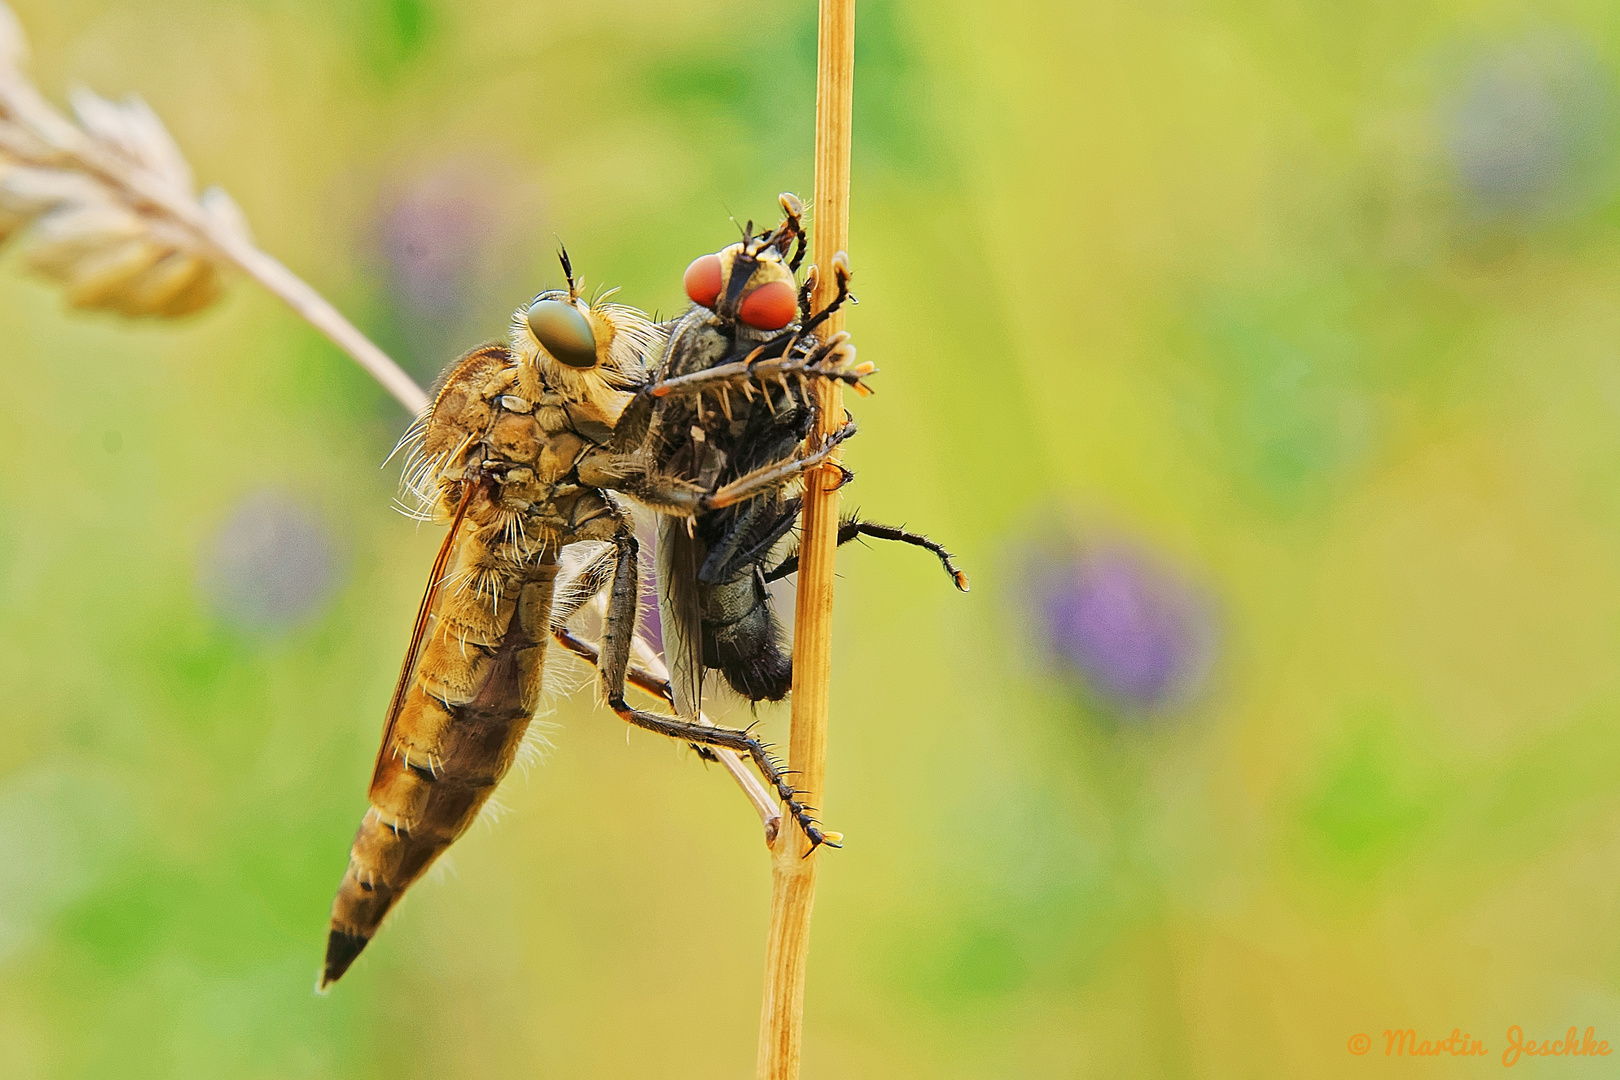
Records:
x=457, y=733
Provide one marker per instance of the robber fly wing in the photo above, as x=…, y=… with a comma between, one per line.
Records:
x=678, y=614
x=424, y=616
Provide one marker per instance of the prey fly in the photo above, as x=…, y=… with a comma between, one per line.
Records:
x=730, y=404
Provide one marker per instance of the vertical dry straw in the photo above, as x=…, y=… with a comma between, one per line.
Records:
x=793, y=876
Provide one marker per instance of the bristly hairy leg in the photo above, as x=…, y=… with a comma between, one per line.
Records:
x=615, y=661
x=775, y=475
x=658, y=686
x=634, y=675
x=744, y=743
x=840, y=266
x=852, y=527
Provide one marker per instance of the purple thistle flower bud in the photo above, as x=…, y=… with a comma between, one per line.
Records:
x=1137, y=633
x=273, y=564
x=1529, y=126
x=434, y=234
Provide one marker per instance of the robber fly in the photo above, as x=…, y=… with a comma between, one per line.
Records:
x=514, y=454
x=750, y=320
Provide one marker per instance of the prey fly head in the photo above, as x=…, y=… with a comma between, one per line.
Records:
x=752, y=281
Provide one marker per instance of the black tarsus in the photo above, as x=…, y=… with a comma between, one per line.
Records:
x=791, y=234
x=805, y=290
x=825, y=313
x=854, y=526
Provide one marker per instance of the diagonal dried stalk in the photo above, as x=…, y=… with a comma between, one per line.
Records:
x=793, y=874
x=109, y=212
x=105, y=208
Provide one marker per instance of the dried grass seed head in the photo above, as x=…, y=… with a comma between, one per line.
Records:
x=98, y=198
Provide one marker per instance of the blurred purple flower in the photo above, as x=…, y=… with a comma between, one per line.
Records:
x=1134, y=630
x=1528, y=126
x=433, y=232
x=272, y=565
x=455, y=240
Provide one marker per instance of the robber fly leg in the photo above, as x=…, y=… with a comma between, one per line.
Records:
x=776, y=474
x=575, y=593
x=710, y=380
x=581, y=587
x=853, y=526
x=840, y=267
x=805, y=292
x=655, y=685
x=743, y=743
x=759, y=372
x=615, y=662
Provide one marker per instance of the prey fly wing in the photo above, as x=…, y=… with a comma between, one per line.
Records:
x=680, y=619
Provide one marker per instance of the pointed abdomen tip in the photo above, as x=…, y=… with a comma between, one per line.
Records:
x=341, y=949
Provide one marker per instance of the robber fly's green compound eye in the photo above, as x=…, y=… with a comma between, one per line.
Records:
x=564, y=332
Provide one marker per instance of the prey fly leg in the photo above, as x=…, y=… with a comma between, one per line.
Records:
x=853, y=527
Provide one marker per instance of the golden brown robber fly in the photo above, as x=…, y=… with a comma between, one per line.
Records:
x=514, y=454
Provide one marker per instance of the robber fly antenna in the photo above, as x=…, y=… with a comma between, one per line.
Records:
x=568, y=270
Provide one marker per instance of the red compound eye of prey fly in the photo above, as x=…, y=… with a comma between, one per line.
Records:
x=703, y=280
x=769, y=307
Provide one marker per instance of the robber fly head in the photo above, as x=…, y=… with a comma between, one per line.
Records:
x=582, y=347
x=752, y=281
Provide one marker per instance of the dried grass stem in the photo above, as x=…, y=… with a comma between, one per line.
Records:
x=135, y=159
x=793, y=876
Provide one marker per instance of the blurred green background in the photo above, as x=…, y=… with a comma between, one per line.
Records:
x=1261, y=362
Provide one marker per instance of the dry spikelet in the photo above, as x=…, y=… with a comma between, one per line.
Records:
x=105, y=205
x=87, y=227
